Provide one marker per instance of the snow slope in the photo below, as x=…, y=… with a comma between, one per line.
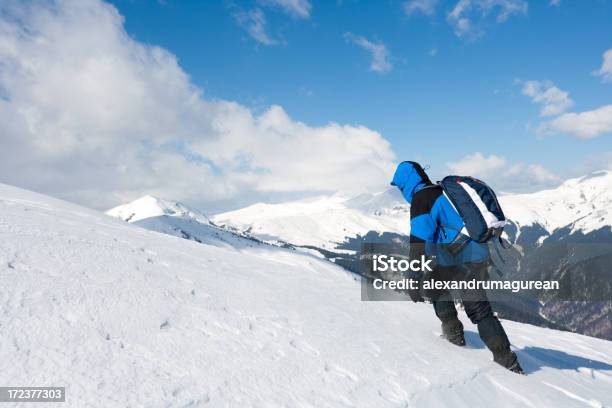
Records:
x=123, y=316
x=324, y=221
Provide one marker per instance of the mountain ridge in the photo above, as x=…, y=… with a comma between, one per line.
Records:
x=570, y=203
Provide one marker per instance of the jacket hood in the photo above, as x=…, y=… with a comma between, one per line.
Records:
x=409, y=177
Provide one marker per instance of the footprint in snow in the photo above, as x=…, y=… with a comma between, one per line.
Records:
x=392, y=391
x=305, y=347
x=341, y=371
x=148, y=251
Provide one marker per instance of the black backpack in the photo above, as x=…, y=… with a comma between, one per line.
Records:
x=477, y=205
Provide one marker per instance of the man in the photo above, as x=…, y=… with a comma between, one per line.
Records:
x=435, y=226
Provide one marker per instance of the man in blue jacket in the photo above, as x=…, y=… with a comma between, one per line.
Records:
x=434, y=226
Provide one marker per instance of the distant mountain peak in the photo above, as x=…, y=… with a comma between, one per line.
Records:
x=149, y=206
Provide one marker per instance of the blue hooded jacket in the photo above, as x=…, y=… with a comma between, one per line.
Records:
x=433, y=219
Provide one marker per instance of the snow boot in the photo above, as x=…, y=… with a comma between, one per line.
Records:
x=510, y=361
x=494, y=336
x=516, y=368
x=452, y=330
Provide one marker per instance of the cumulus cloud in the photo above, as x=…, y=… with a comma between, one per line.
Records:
x=295, y=8
x=466, y=12
x=606, y=67
x=380, y=62
x=91, y=115
x=555, y=2
x=476, y=164
x=554, y=101
x=585, y=125
x=502, y=175
x=255, y=24
x=427, y=7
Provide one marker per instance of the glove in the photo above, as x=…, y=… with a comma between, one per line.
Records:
x=415, y=294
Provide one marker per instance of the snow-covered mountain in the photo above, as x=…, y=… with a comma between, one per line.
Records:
x=149, y=207
x=174, y=218
x=566, y=235
x=322, y=222
x=123, y=316
x=582, y=204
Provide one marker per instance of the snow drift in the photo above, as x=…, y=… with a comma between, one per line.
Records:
x=123, y=316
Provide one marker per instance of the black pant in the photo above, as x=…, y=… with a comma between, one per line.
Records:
x=476, y=311
x=477, y=307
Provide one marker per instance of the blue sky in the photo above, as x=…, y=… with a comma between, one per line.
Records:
x=435, y=108
x=224, y=103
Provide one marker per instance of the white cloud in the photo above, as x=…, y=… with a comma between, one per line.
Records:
x=606, y=67
x=477, y=164
x=89, y=114
x=378, y=51
x=554, y=101
x=255, y=24
x=502, y=175
x=465, y=11
x=555, y=2
x=295, y=8
x=427, y=7
x=585, y=125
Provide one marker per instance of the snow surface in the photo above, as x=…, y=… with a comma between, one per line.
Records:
x=123, y=316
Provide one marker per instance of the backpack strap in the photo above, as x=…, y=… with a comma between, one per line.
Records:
x=458, y=244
